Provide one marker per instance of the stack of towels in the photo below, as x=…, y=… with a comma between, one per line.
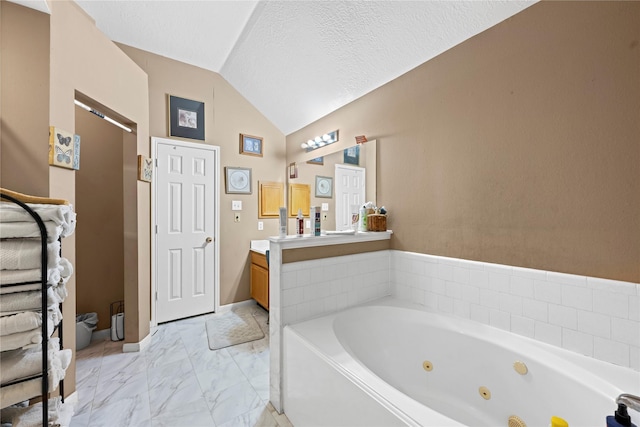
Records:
x=20, y=304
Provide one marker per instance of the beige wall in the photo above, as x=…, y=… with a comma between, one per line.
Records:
x=99, y=204
x=85, y=60
x=227, y=114
x=519, y=146
x=24, y=99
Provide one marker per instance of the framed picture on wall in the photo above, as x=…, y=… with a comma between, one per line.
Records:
x=324, y=186
x=251, y=145
x=352, y=155
x=64, y=149
x=145, y=168
x=316, y=161
x=186, y=118
x=238, y=180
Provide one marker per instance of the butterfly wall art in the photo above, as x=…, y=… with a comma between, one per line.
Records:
x=64, y=148
x=145, y=168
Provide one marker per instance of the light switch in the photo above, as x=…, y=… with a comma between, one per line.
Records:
x=260, y=225
x=325, y=207
x=236, y=205
x=236, y=217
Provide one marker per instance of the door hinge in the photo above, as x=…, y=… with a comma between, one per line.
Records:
x=156, y=228
x=156, y=295
x=156, y=162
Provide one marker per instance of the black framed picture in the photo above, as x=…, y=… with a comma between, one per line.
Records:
x=352, y=155
x=251, y=145
x=186, y=118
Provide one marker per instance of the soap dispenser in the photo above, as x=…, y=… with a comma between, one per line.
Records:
x=621, y=417
x=299, y=223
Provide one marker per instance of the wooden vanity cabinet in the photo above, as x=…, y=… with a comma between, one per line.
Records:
x=260, y=279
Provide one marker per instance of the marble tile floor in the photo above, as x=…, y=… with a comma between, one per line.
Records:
x=177, y=381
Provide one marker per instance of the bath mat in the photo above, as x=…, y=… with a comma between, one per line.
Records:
x=232, y=329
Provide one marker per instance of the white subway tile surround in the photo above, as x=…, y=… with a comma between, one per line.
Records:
x=596, y=317
x=313, y=288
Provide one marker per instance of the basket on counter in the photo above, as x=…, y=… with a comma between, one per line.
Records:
x=376, y=222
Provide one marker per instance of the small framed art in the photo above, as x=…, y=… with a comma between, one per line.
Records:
x=238, y=180
x=186, y=118
x=64, y=149
x=352, y=155
x=324, y=186
x=316, y=161
x=251, y=145
x=145, y=168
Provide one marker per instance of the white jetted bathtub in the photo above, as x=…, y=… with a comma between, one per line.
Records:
x=392, y=363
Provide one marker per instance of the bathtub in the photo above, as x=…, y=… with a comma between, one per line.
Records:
x=393, y=363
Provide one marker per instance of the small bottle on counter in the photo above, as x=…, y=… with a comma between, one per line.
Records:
x=299, y=223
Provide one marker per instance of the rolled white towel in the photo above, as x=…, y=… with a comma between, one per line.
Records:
x=12, y=230
x=26, y=254
x=23, y=363
x=31, y=416
x=20, y=392
x=66, y=267
x=54, y=313
x=21, y=339
x=25, y=276
x=62, y=215
x=21, y=322
x=22, y=301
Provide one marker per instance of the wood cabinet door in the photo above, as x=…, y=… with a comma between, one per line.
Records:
x=260, y=285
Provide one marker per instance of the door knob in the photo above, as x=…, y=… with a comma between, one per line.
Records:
x=209, y=240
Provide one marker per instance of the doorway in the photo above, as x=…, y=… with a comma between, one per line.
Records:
x=185, y=229
x=100, y=242
x=350, y=190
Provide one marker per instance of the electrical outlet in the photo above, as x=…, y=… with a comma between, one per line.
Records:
x=260, y=225
x=325, y=207
x=236, y=217
x=307, y=223
x=236, y=205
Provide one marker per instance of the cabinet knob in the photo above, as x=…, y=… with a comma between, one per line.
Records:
x=209, y=240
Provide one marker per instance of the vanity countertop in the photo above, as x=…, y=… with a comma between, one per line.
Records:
x=309, y=240
x=259, y=246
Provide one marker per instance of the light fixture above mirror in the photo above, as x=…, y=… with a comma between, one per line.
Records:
x=320, y=141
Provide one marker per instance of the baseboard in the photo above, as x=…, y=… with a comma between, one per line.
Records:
x=72, y=398
x=229, y=307
x=132, y=347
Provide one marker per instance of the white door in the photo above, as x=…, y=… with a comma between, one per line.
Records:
x=186, y=244
x=350, y=190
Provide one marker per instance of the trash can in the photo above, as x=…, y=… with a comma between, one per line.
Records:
x=85, y=324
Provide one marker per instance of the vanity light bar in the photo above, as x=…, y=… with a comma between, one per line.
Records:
x=102, y=116
x=320, y=141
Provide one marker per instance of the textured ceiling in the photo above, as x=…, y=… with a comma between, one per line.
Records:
x=297, y=61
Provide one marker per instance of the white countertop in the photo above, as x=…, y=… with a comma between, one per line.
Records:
x=259, y=246
x=309, y=240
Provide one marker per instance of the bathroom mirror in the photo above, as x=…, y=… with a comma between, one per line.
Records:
x=325, y=167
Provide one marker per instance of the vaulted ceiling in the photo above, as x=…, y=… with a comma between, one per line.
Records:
x=297, y=61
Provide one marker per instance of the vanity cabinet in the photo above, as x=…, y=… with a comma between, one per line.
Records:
x=260, y=279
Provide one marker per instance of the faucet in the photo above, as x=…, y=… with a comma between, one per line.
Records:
x=630, y=400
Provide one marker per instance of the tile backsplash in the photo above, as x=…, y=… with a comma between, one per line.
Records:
x=596, y=317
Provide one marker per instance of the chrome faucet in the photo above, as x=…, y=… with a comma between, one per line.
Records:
x=630, y=400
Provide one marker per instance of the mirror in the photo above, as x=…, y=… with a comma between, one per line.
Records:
x=362, y=155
